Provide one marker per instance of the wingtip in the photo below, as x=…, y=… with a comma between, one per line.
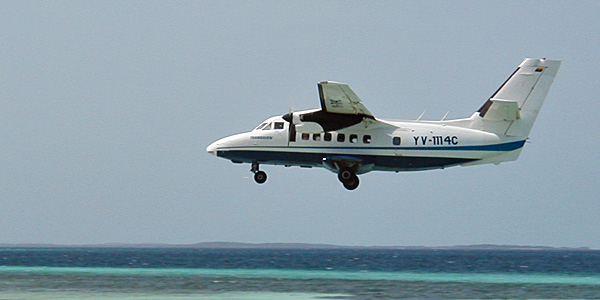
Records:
x=330, y=82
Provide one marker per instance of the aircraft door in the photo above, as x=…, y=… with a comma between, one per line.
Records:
x=281, y=136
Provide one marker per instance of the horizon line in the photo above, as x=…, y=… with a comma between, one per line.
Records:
x=282, y=245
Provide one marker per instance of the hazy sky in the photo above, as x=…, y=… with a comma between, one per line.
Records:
x=107, y=108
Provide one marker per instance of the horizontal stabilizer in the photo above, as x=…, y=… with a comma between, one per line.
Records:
x=499, y=110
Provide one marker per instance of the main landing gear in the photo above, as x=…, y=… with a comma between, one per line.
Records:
x=348, y=177
x=259, y=176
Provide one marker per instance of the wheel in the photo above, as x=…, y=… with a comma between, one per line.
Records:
x=345, y=174
x=260, y=177
x=352, y=183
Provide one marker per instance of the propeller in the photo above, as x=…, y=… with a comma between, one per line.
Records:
x=299, y=125
x=292, y=128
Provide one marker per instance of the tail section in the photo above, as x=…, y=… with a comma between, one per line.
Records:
x=513, y=108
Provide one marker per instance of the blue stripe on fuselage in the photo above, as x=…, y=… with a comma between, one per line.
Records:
x=495, y=147
x=272, y=156
x=380, y=162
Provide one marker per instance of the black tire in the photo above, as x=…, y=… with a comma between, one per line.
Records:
x=260, y=177
x=345, y=174
x=351, y=184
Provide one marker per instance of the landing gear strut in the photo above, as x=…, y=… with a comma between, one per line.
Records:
x=259, y=176
x=348, y=177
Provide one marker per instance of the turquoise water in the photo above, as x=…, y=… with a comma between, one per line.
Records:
x=209, y=274
x=315, y=274
x=164, y=296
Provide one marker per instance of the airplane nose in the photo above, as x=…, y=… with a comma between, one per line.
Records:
x=212, y=148
x=223, y=144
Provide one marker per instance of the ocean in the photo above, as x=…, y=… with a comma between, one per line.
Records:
x=236, y=274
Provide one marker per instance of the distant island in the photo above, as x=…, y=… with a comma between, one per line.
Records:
x=233, y=245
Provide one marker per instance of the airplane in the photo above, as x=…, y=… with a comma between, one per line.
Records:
x=344, y=137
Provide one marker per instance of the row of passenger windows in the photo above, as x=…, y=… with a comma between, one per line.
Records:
x=341, y=137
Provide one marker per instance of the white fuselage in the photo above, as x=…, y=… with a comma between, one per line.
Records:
x=379, y=144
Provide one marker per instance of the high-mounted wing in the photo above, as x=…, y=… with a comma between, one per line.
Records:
x=340, y=108
x=338, y=98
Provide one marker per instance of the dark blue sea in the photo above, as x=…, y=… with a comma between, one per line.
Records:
x=236, y=274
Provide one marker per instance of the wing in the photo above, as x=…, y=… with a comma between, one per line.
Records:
x=340, y=108
x=338, y=98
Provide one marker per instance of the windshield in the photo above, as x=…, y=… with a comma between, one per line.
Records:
x=259, y=127
x=270, y=126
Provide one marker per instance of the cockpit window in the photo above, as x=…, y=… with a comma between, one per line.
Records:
x=278, y=125
x=268, y=127
x=260, y=126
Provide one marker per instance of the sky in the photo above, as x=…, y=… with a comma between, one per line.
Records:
x=107, y=108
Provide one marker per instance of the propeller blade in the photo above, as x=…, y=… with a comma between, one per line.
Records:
x=291, y=128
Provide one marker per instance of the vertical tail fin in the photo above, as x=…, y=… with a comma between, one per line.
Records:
x=513, y=108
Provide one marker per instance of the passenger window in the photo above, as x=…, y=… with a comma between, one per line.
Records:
x=396, y=140
x=278, y=125
x=367, y=139
x=316, y=137
x=353, y=138
x=327, y=137
x=341, y=137
x=268, y=127
x=305, y=136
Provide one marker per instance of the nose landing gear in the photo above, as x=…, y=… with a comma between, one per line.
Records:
x=259, y=176
x=348, y=177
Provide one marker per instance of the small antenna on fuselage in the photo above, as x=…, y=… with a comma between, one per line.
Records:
x=444, y=117
x=419, y=118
